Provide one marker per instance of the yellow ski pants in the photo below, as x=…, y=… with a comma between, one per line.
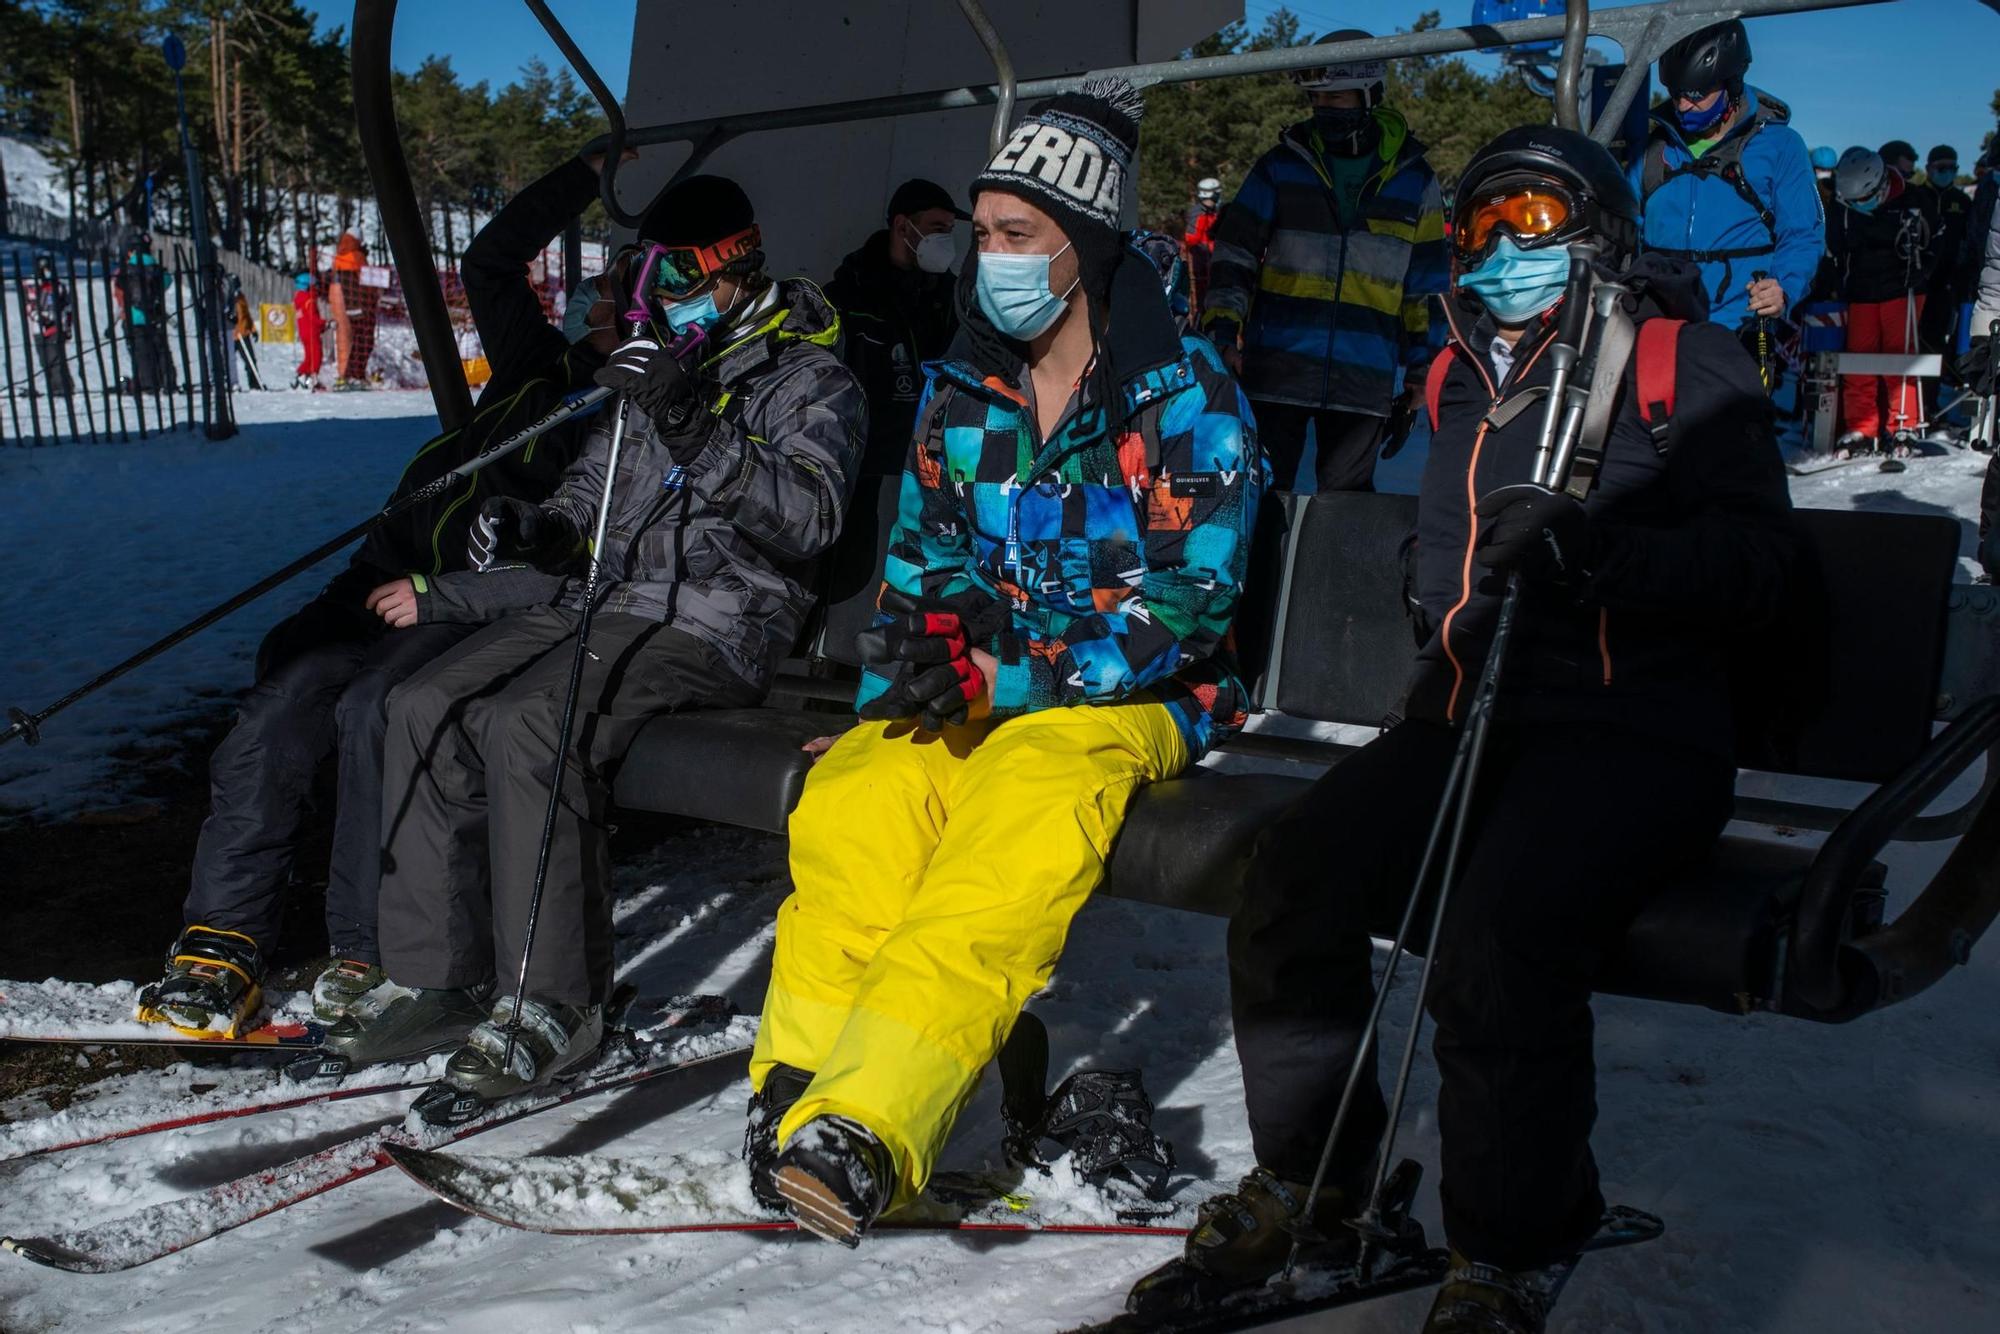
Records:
x=934, y=879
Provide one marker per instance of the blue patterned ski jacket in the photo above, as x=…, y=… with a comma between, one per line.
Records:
x=1122, y=558
x=1330, y=307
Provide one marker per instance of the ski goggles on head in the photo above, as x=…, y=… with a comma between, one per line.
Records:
x=1535, y=213
x=681, y=271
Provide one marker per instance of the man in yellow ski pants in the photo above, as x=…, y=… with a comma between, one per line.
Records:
x=1073, y=530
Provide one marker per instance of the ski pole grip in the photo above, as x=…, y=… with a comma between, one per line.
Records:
x=637, y=314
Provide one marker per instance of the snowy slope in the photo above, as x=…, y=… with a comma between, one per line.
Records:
x=1813, y=1179
x=111, y=546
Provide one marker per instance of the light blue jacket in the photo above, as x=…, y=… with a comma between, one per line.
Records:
x=1700, y=215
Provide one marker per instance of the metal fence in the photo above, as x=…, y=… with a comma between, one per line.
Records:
x=102, y=354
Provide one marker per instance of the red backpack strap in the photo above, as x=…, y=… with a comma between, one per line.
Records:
x=1658, y=354
x=1434, y=381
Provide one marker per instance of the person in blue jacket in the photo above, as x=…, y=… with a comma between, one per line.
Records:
x=1726, y=182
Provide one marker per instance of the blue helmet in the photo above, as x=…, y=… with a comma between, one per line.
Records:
x=1824, y=159
x=302, y=282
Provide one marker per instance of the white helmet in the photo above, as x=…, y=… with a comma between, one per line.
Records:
x=1370, y=76
x=1208, y=188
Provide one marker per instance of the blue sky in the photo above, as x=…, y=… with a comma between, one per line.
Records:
x=1921, y=70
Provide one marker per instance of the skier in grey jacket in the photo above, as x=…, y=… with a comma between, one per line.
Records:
x=734, y=477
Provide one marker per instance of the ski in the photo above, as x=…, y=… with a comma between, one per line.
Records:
x=1831, y=466
x=588, y=1196
x=71, y=1012
x=83, y=1126
x=160, y=1230
x=1315, y=1291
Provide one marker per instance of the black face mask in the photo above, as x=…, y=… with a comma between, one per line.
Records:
x=1341, y=122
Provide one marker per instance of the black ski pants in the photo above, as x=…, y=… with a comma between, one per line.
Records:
x=54, y=352
x=324, y=676
x=1347, y=444
x=1574, y=828
x=472, y=742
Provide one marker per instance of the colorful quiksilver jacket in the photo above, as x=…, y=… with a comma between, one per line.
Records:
x=1329, y=307
x=1118, y=545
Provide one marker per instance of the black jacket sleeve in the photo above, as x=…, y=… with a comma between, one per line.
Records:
x=515, y=334
x=1731, y=560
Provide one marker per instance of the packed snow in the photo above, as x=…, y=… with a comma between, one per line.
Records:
x=117, y=544
x=1812, y=1178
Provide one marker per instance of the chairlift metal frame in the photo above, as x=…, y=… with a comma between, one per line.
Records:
x=1642, y=32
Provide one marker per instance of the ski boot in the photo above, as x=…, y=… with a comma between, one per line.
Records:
x=1242, y=1239
x=1852, y=444
x=341, y=985
x=552, y=1040
x=397, y=1023
x=1482, y=1299
x=214, y=984
x=835, y=1177
x=783, y=1086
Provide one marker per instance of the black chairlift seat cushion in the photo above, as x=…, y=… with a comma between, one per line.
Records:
x=729, y=766
x=1711, y=937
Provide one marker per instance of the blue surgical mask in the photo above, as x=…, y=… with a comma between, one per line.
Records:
x=1515, y=285
x=1867, y=205
x=576, y=315
x=1696, y=124
x=1014, y=293
x=684, y=315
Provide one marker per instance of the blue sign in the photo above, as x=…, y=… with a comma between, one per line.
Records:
x=176, y=54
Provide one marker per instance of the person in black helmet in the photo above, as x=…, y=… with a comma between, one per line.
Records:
x=1609, y=764
x=1323, y=280
x=1727, y=183
x=732, y=479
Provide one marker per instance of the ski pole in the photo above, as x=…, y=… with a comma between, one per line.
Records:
x=1763, y=339
x=1455, y=804
x=29, y=725
x=682, y=349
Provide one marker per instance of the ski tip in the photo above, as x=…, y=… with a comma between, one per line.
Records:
x=1623, y=1223
x=54, y=1255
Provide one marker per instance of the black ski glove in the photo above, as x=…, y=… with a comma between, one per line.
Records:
x=514, y=530
x=649, y=375
x=1543, y=534
x=929, y=642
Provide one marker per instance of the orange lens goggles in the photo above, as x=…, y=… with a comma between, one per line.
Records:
x=1528, y=212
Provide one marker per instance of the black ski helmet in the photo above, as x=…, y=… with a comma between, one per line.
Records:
x=1604, y=204
x=1715, y=57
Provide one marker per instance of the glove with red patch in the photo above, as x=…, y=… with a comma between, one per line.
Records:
x=928, y=642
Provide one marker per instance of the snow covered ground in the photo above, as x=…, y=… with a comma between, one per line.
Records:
x=1813, y=1179
x=111, y=546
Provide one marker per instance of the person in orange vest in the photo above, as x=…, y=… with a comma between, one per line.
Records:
x=310, y=325
x=353, y=314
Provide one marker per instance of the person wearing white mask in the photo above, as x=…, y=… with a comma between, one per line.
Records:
x=895, y=304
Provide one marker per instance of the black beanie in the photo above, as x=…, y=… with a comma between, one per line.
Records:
x=1071, y=156
x=700, y=210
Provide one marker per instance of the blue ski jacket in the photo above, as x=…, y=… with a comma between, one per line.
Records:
x=1703, y=211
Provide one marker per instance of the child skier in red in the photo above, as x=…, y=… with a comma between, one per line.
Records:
x=310, y=324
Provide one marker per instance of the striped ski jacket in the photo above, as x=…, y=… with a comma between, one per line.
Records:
x=1329, y=307
x=1120, y=555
